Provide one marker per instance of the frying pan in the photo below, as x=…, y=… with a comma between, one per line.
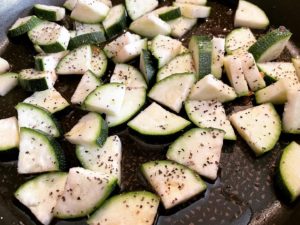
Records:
x=244, y=192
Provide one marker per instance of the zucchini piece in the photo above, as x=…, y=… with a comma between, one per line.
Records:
x=164, y=49
x=193, y=11
x=150, y=26
x=88, y=83
x=38, y=49
x=134, y=100
x=209, y=114
x=50, y=36
x=174, y=183
x=250, y=15
x=287, y=176
x=170, y=13
x=275, y=93
x=85, y=190
x=91, y=129
x=156, y=121
x=4, y=65
x=105, y=159
x=200, y=150
x=130, y=51
x=34, y=117
x=9, y=132
x=39, y=153
x=139, y=207
x=98, y=62
x=87, y=34
x=49, y=12
x=48, y=62
x=254, y=78
x=173, y=90
x=70, y=4
x=115, y=21
x=77, y=61
x=201, y=49
x=181, y=26
x=217, y=56
x=111, y=49
x=23, y=25
x=239, y=41
x=32, y=80
x=8, y=81
x=89, y=11
x=180, y=64
x=234, y=71
x=40, y=194
x=210, y=88
x=259, y=126
x=107, y=98
x=129, y=76
x=148, y=65
x=270, y=46
x=296, y=63
x=138, y=8
x=274, y=71
x=50, y=99
x=290, y=118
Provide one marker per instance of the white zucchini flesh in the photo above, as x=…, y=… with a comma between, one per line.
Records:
x=89, y=11
x=134, y=100
x=165, y=49
x=279, y=70
x=8, y=81
x=40, y=194
x=91, y=129
x=275, y=93
x=111, y=49
x=9, y=133
x=193, y=11
x=138, y=8
x=105, y=159
x=98, y=62
x=200, y=150
x=48, y=62
x=50, y=100
x=254, y=78
x=134, y=208
x=217, y=56
x=234, y=71
x=4, y=65
x=181, y=26
x=129, y=76
x=173, y=90
x=296, y=63
x=173, y=182
x=239, y=41
x=107, y=98
x=183, y=63
x=259, y=126
x=250, y=15
x=130, y=51
x=210, y=88
x=34, y=117
x=290, y=118
x=87, y=84
x=155, y=120
x=209, y=114
x=70, y=4
x=84, y=191
x=150, y=26
x=77, y=61
x=42, y=151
